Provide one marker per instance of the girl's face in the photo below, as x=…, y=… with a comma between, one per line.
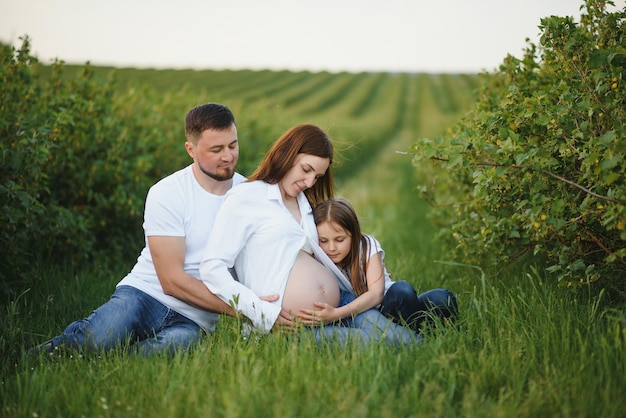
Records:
x=303, y=175
x=334, y=240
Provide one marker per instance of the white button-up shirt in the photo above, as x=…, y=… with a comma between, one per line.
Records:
x=257, y=235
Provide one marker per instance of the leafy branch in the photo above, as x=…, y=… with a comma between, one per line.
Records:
x=554, y=176
x=542, y=171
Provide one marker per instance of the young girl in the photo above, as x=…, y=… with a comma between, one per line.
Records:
x=360, y=258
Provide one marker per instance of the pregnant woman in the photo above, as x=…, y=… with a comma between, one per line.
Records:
x=265, y=235
x=265, y=232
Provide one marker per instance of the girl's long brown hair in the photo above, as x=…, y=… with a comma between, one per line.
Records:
x=341, y=212
x=301, y=139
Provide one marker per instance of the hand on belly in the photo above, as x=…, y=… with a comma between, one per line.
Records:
x=309, y=281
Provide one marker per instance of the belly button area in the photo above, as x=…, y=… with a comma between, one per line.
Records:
x=324, y=289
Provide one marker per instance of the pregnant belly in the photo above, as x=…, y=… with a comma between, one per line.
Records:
x=309, y=281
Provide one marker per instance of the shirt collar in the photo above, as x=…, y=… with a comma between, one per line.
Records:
x=273, y=193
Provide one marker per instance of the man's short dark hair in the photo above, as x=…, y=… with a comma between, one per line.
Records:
x=207, y=116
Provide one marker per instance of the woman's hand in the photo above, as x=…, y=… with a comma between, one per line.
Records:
x=284, y=322
x=322, y=314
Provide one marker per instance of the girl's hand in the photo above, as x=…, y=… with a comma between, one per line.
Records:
x=322, y=314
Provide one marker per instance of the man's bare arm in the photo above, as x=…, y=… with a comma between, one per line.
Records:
x=168, y=256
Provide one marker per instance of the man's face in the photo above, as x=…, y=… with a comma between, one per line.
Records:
x=216, y=153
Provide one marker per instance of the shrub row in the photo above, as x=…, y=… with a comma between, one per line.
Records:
x=539, y=164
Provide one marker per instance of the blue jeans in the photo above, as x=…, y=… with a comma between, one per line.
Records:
x=364, y=328
x=403, y=305
x=131, y=316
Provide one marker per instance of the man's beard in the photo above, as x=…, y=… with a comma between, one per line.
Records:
x=226, y=174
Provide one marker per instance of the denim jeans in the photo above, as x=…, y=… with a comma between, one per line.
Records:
x=132, y=316
x=403, y=305
x=364, y=328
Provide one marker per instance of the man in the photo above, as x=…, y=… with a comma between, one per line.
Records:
x=161, y=305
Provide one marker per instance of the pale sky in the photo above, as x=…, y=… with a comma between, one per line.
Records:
x=321, y=35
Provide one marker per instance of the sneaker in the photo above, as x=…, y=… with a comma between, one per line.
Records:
x=43, y=348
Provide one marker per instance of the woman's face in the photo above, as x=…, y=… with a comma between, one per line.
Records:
x=303, y=175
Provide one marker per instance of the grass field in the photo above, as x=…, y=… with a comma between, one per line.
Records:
x=521, y=348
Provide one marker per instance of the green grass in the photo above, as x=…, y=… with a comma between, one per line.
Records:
x=521, y=348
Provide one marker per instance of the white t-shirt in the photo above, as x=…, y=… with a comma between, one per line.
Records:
x=177, y=206
x=375, y=247
x=257, y=235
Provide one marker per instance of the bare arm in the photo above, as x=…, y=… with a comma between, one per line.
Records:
x=168, y=256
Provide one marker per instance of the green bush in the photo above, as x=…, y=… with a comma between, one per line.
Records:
x=75, y=168
x=30, y=132
x=538, y=166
